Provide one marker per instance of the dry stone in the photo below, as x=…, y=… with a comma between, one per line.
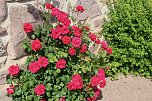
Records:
x=92, y=9
x=2, y=50
x=18, y=16
x=2, y=31
x=3, y=10
x=3, y=93
x=3, y=76
x=98, y=22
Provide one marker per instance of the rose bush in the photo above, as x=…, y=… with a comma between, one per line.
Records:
x=60, y=66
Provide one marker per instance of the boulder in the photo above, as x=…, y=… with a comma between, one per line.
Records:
x=18, y=16
x=2, y=50
x=92, y=9
x=3, y=11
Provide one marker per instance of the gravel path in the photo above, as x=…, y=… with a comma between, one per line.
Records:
x=128, y=89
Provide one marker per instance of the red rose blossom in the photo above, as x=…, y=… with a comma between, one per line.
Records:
x=95, y=80
x=72, y=51
x=36, y=45
x=83, y=48
x=109, y=50
x=55, y=12
x=77, y=33
x=76, y=83
x=56, y=33
x=61, y=64
x=39, y=89
x=14, y=70
x=62, y=16
x=102, y=83
x=49, y=6
x=43, y=62
x=92, y=36
x=80, y=8
x=65, y=30
x=101, y=73
x=10, y=91
x=66, y=40
x=76, y=42
x=28, y=27
x=75, y=28
x=98, y=41
x=104, y=45
x=34, y=67
x=66, y=22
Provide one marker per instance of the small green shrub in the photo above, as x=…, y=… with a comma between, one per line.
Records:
x=129, y=30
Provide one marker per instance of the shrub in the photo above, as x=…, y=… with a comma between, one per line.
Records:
x=129, y=30
x=59, y=65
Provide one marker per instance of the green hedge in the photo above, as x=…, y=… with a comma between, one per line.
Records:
x=129, y=31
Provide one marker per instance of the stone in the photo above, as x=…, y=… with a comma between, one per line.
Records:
x=2, y=61
x=92, y=9
x=98, y=23
x=18, y=16
x=2, y=31
x=3, y=11
x=2, y=50
x=3, y=37
x=3, y=93
x=3, y=76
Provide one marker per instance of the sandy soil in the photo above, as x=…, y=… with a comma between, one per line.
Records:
x=128, y=89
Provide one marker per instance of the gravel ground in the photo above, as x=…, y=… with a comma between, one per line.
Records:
x=128, y=89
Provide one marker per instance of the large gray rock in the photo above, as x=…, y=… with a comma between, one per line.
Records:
x=18, y=16
x=2, y=50
x=3, y=76
x=3, y=11
x=92, y=9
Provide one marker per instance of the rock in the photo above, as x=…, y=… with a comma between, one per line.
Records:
x=3, y=11
x=3, y=96
x=98, y=22
x=92, y=9
x=2, y=50
x=18, y=16
x=2, y=31
x=10, y=62
x=3, y=37
x=2, y=60
x=3, y=76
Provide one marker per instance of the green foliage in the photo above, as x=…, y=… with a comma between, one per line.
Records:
x=56, y=79
x=129, y=31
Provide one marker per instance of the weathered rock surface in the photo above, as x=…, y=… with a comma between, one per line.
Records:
x=3, y=10
x=18, y=16
x=2, y=31
x=3, y=77
x=92, y=9
x=3, y=93
x=2, y=50
x=2, y=61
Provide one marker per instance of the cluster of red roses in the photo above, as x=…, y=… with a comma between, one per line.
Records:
x=96, y=82
x=76, y=82
x=35, y=66
x=70, y=36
